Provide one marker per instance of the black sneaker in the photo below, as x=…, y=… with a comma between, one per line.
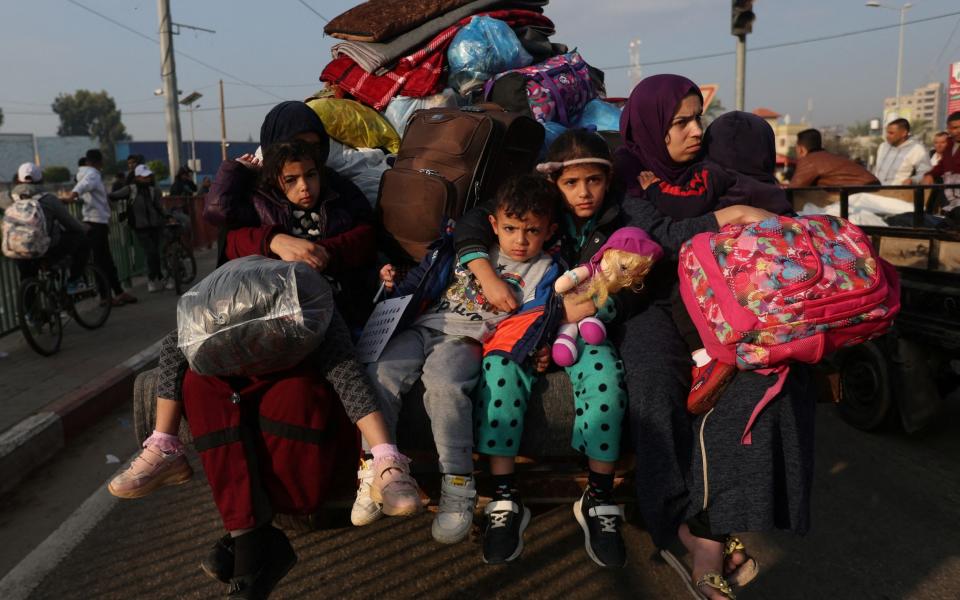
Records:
x=218, y=563
x=601, y=524
x=278, y=559
x=503, y=525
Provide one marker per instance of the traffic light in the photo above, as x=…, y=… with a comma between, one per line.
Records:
x=742, y=17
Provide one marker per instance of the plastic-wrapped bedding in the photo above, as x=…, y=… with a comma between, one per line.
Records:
x=488, y=46
x=601, y=115
x=401, y=108
x=253, y=315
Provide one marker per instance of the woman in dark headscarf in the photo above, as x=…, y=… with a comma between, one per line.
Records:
x=769, y=487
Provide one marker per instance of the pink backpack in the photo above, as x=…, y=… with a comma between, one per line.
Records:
x=785, y=289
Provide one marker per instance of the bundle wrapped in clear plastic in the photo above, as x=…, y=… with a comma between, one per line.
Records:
x=253, y=315
x=600, y=114
x=401, y=108
x=488, y=46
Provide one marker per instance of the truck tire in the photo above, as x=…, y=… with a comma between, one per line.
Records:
x=865, y=395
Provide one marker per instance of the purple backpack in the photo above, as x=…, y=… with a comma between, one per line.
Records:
x=556, y=89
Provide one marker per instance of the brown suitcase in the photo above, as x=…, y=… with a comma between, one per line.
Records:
x=450, y=160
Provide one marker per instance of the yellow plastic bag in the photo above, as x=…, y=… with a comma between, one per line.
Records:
x=355, y=124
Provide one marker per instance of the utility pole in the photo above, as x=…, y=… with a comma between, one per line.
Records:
x=223, y=126
x=741, y=24
x=168, y=71
x=636, y=71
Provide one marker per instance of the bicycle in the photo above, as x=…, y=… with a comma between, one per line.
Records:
x=44, y=298
x=179, y=262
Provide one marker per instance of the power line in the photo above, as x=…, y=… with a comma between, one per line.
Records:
x=179, y=53
x=314, y=11
x=782, y=44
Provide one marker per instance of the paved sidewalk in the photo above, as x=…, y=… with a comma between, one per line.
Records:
x=29, y=382
x=47, y=401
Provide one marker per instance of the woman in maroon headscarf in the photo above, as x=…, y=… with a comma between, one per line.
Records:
x=751, y=488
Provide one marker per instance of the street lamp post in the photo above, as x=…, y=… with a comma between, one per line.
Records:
x=191, y=103
x=903, y=13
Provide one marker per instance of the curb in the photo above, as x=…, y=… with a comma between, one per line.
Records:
x=36, y=439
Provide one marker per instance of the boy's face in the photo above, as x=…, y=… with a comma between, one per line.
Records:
x=521, y=238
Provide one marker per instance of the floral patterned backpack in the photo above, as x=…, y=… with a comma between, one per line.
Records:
x=557, y=89
x=785, y=289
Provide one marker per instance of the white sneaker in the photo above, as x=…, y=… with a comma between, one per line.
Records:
x=170, y=284
x=365, y=510
x=458, y=498
x=154, y=286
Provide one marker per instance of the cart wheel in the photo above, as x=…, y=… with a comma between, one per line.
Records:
x=866, y=397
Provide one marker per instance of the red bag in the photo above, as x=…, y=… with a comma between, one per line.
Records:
x=274, y=444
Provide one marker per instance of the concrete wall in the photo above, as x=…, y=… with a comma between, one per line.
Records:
x=17, y=148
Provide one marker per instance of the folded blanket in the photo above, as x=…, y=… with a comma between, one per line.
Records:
x=379, y=20
x=373, y=56
x=418, y=74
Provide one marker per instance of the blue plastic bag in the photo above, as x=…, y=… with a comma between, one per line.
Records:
x=602, y=115
x=488, y=46
x=552, y=130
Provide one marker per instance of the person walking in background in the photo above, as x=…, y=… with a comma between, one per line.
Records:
x=183, y=184
x=816, y=166
x=146, y=217
x=96, y=215
x=948, y=167
x=901, y=160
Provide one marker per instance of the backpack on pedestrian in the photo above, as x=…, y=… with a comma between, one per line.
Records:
x=25, y=233
x=786, y=289
x=450, y=160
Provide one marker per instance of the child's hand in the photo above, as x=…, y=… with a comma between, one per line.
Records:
x=250, y=161
x=541, y=360
x=294, y=249
x=575, y=309
x=647, y=178
x=499, y=293
x=387, y=274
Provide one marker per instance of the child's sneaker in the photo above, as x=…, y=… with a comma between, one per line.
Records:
x=503, y=526
x=601, y=522
x=709, y=381
x=152, y=469
x=365, y=510
x=394, y=488
x=458, y=498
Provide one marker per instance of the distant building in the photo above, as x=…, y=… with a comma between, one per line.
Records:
x=208, y=153
x=18, y=148
x=784, y=132
x=927, y=103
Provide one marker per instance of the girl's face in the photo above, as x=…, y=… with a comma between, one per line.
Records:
x=300, y=182
x=685, y=134
x=583, y=188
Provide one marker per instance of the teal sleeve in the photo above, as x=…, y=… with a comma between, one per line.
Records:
x=467, y=258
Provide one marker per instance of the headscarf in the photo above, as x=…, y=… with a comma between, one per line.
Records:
x=644, y=124
x=743, y=145
x=289, y=119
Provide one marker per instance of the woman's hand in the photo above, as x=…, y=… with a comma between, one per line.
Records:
x=294, y=249
x=741, y=214
x=250, y=161
x=577, y=308
x=541, y=360
x=387, y=275
x=647, y=178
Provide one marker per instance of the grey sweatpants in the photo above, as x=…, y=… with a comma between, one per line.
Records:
x=449, y=367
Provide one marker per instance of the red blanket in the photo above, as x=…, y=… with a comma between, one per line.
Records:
x=418, y=74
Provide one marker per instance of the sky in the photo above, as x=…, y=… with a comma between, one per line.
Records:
x=56, y=46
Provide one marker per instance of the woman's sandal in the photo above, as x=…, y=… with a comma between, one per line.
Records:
x=747, y=571
x=716, y=582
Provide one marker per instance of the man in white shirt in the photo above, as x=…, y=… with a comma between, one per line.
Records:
x=901, y=160
x=96, y=215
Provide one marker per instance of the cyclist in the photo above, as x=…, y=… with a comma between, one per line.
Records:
x=67, y=234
